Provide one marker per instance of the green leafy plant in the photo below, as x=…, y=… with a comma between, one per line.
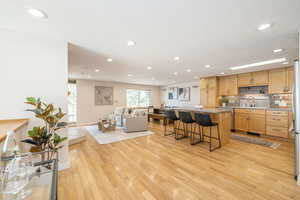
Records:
x=45, y=138
x=224, y=99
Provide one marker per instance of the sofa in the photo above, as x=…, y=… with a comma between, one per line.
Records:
x=132, y=120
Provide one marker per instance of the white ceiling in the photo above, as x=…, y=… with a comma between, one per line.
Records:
x=220, y=33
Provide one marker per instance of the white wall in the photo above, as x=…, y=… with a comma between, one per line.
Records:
x=194, y=97
x=32, y=65
x=88, y=112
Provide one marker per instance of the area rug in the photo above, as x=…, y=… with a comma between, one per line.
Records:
x=273, y=145
x=113, y=136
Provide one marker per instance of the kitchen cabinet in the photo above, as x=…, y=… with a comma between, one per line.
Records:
x=241, y=121
x=277, y=81
x=260, y=78
x=253, y=79
x=250, y=120
x=281, y=80
x=257, y=123
x=228, y=85
x=244, y=80
x=208, y=92
x=278, y=123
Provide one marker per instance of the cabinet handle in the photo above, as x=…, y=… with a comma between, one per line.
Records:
x=275, y=129
x=276, y=119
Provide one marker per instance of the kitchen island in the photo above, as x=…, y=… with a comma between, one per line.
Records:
x=222, y=116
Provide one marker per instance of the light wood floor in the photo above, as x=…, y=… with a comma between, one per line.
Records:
x=157, y=167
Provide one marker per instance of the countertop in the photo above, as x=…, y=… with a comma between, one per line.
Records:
x=13, y=124
x=205, y=110
x=260, y=108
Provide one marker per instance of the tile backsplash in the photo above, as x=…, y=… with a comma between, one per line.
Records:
x=259, y=96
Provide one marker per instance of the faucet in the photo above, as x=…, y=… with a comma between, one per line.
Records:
x=252, y=101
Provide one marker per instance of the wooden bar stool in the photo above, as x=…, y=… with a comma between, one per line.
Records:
x=171, y=116
x=186, y=119
x=204, y=120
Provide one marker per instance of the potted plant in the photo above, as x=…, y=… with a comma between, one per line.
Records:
x=224, y=101
x=45, y=138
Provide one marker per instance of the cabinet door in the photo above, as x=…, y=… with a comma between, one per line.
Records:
x=277, y=81
x=290, y=80
x=260, y=78
x=212, y=82
x=211, y=97
x=244, y=79
x=231, y=85
x=241, y=121
x=203, y=97
x=223, y=86
x=257, y=123
x=203, y=83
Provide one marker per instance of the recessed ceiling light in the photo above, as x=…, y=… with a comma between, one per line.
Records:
x=97, y=70
x=175, y=73
x=37, y=13
x=259, y=63
x=149, y=67
x=207, y=66
x=130, y=43
x=222, y=73
x=129, y=75
x=188, y=70
x=263, y=27
x=109, y=59
x=285, y=63
x=277, y=50
x=176, y=58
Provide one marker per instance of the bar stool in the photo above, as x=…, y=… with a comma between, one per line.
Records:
x=204, y=120
x=170, y=116
x=186, y=119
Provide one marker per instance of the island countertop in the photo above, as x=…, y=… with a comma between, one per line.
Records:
x=12, y=124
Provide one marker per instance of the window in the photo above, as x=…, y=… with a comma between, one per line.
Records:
x=138, y=98
x=72, y=94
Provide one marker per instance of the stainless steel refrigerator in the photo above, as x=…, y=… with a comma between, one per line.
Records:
x=296, y=110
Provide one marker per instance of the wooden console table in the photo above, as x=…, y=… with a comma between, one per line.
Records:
x=157, y=116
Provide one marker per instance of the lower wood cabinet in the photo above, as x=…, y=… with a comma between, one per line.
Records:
x=250, y=120
x=277, y=131
x=257, y=123
x=272, y=123
x=278, y=123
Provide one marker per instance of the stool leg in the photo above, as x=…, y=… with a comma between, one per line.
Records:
x=210, y=139
x=165, y=127
x=177, y=132
x=219, y=137
x=200, y=133
x=192, y=135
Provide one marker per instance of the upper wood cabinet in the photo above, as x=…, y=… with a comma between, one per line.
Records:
x=253, y=79
x=244, y=80
x=228, y=85
x=260, y=78
x=208, y=92
x=281, y=80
